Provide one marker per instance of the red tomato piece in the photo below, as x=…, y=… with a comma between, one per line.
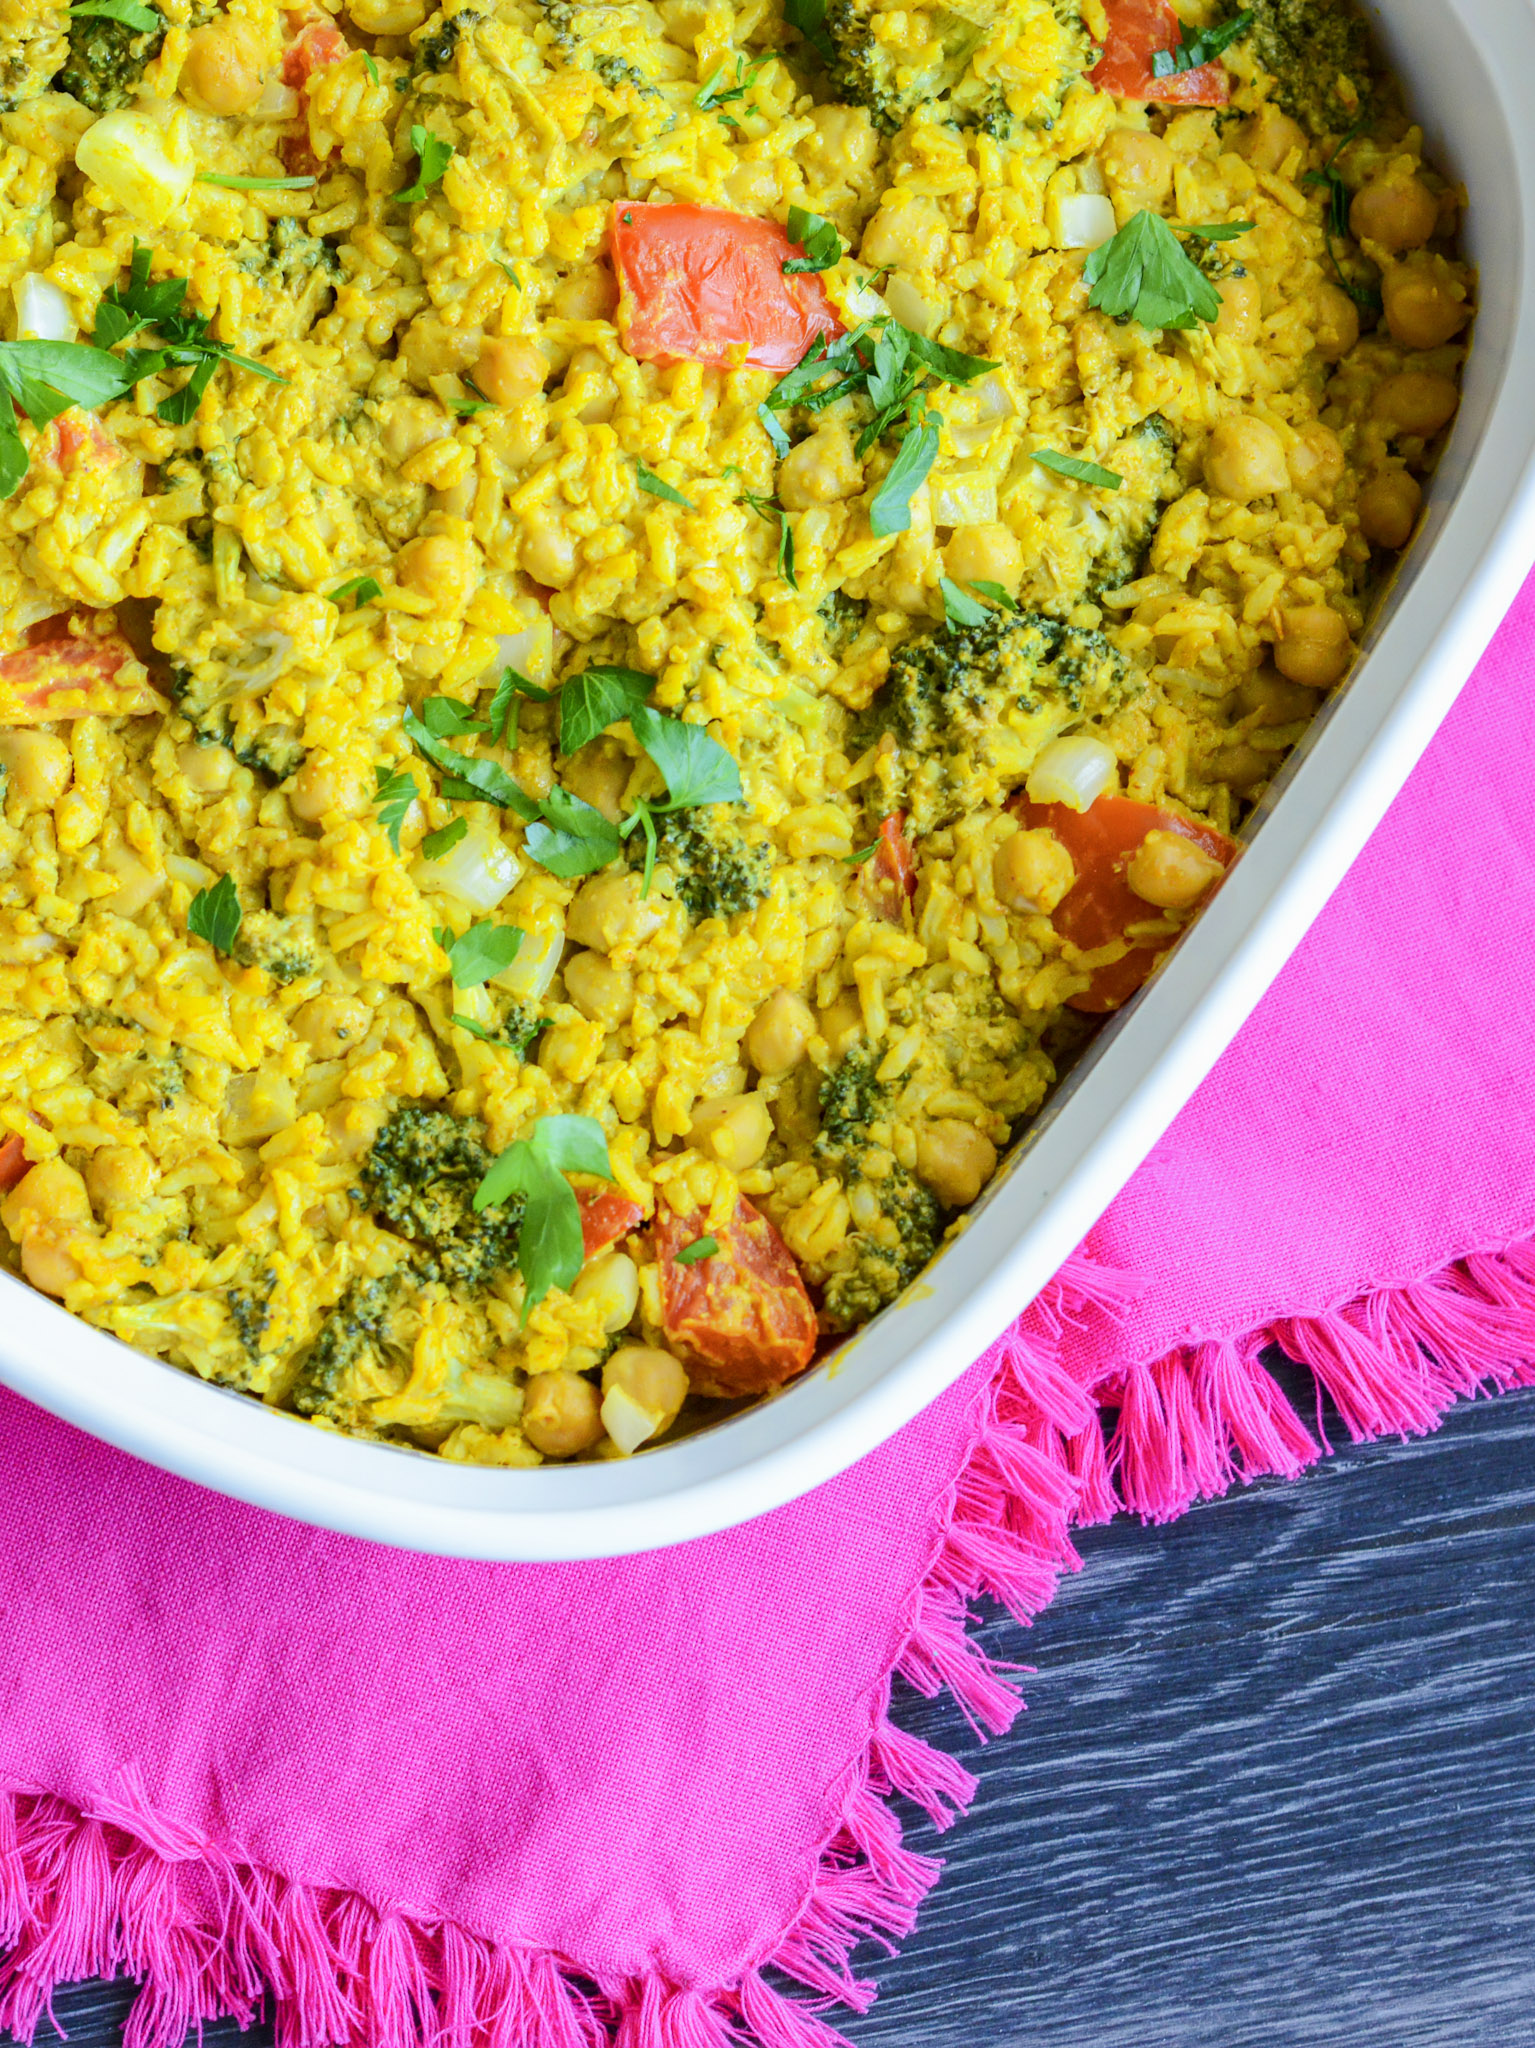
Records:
x=605, y=1219
x=1137, y=30
x=701, y=284
x=69, y=678
x=317, y=44
x=14, y=1164
x=298, y=159
x=1100, y=904
x=77, y=440
x=892, y=869
x=741, y=1321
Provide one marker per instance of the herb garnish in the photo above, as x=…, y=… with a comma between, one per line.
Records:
x=144, y=19
x=363, y=589
x=394, y=791
x=254, y=184
x=1079, y=471
x=505, y=705
x=770, y=509
x=185, y=337
x=475, y=955
x=597, y=698
x=700, y=1248
x=959, y=607
x=712, y=95
x=214, y=914
x=436, y=844
x=817, y=237
x=469, y=781
x=649, y=481
x=433, y=156
x=809, y=17
x=995, y=592
x=1197, y=46
x=1144, y=274
x=550, y=1252
x=1335, y=222
x=46, y=378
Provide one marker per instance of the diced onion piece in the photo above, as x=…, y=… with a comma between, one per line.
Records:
x=1090, y=175
x=626, y=1422
x=480, y=870
x=1074, y=772
x=530, y=652
x=42, y=311
x=1084, y=220
x=994, y=400
x=909, y=306
x=145, y=164
x=278, y=102
x=859, y=301
x=962, y=499
x=538, y=959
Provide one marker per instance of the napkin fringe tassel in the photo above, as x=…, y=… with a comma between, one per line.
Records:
x=122, y=1889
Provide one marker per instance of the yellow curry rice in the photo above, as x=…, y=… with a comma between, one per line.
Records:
x=446, y=480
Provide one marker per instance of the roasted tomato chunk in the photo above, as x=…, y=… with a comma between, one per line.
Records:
x=892, y=869
x=14, y=1164
x=605, y=1219
x=1100, y=906
x=73, y=678
x=1137, y=30
x=316, y=45
x=700, y=284
x=741, y=1321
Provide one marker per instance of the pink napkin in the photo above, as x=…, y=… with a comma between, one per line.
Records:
x=404, y=1800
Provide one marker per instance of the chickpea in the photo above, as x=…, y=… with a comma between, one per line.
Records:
x=120, y=1177
x=1275, y=699
x=568, y=1052
x=387, y=17
x=956, y=1160
x=821, y=470
x=733, y=1129
x=843, y=147
x=841, y=1022
x=1317, y=462
x=653, y=1380
x=413, y=424
x=589, y=293
x=38, y=765
x=1421, y=309
x=1241, y=314
x=1270, y=139
x=608, y=913
x=1335, y=328
x=509, y=369
x=207, y=767
x=987, y=552
x=1316, y=649
x=752, y=187
x=610, y=1284
x=42, y=1213
x=515, y=436
x=222, y=69
x=1416, y=402
x=547, y=550
x=598, y=774
x=561, y=1414
x=1396, y=212
x=429, y=348
x=442, y=568
x=1388, y=508
x=1171, y=872
x=598, y=989
x=777, y=1037
x=325, y=784
x=909, y=234
x=1137, y=167
x=1245, y=459
x=1032, y=871
x=329, y=1024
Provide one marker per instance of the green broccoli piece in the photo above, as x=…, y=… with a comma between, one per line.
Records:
x=438, y=46
x=250, y=1310
x=842, y=620
x=872, y=1265
x=292, y=253
x=420, y=1178
x=851, y=1099
x=716, y=868
x=1321, y=58
x=892, y=88
x=276, y=944
x=520, y=1026
x=1148, y=462
x=106, y=60
x=350, y=1345
x=30, y=53
x=221, y=714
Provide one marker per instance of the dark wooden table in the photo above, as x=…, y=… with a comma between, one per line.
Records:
x=1276, y=1783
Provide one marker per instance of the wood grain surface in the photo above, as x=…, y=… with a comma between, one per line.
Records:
x=1276, y=1783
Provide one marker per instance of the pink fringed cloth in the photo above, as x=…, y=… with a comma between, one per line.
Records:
x=401, y=1800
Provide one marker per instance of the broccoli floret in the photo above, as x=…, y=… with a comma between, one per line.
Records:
x=874, y=1264
x=1148, y=462
x=340, y=1374
x=520, y=1026
x=716, y=869
x=963, y=701
x=851, y=1099
x=31, y=54
x=605, y=40
x=221, y=713
x=1320, y=54
x=929, y=69
x=438, y=46
x=292, y=252
x=250, y=1310
x=842, y=620
x=280, y=947
x=420, y=1178
x=106, y=60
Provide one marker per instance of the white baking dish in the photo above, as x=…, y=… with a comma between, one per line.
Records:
x=1470, y=69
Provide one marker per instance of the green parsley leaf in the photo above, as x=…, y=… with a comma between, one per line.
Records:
x=649, y=481
x=576, y=840
x=480, y=952
x=1336, y=220
x=502, y=716
x=214, y=914
x=770, y=509
x=254, y=184
x=817, y=237
x=469, y=781
x=575, y=1144
x=597, y=698
x=890, y=507
x=959, y=608
x=856, y=860
x=700, y=1248
x=433, y=156
x=697, y=769
x=128, y=12
x=1144, y=274
x=1079, y=471
x=436, y=844
x=994, y=592
x=510, y=272
x=1220, y=231
x=711, y=94
x=445, y=718
x=14, y=461
x=362, y=588
x=369, y=65
x=809, y=17
x=47, y=377
x=479, y=1031
x=394, y=793
x=186, y=338
x=1200, y=46
x=774, y=432
x=949, y=364
x=550, y=1252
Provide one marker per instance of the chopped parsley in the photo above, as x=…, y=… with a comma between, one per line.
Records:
x=1144, y=274
x=361, y=589
x=550, y=1252
x=1079, y=471
x=394, y=792
x=433, y=156
x=649, y=481
x=214, y=914
x=475, y=955
x=700, y=1248
x=817, y=237
x=1197, y=46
